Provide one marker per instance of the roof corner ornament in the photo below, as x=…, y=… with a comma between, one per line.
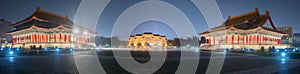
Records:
x=228, y=17
x=66, y=16
x=256, y=10
x=38, y=8
x=33, y=26
x=267, y=13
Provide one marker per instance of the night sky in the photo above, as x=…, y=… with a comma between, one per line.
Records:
x=282, y=12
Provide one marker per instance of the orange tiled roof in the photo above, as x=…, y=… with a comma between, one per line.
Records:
x=47, y=17
x=250, y=20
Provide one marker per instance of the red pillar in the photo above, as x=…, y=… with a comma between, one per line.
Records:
x=17, y=40
x=232, y=39
x=37, y=37
x=277, y=42
x=226, y=40
x=272, y=39
x=250, y=39
x=54, y=38
x=207, y=41
x=257, y=39
x=70, y=37
x=253, y=39
x=47, y=38
x=260, y=37
x=244, y=40
x=238, y=39
x=60, y=38
x=27, y=40
x=247, y=39
x=65, y=38
x=33, y=37
x=280, y=41
x=42, y=37
x=263, y=38
x=30, y=38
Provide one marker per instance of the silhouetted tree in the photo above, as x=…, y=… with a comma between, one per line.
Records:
x=203, y=40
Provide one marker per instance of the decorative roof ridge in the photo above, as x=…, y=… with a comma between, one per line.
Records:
x=271, y=30
x=23, y=21
x=33, y=26
x=60, y=26
x=34, y=15
x=38, y=10
x=242, y=15
x=147, y=33
x=138, y=34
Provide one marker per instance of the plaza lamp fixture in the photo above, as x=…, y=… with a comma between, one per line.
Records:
x=71, y=49
x=283, y=54
x=11, y=52
x=57, y=49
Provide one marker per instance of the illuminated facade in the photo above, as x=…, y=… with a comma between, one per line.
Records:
x=250, y=30
x=147, y=40
x=45, y=29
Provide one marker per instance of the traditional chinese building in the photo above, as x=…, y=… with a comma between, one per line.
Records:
x=45, y=29
x=250, y=30
x=147, y=40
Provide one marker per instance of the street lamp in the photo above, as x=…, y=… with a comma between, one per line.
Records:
x=283, y=54
x=11, y=52
x=57, y=49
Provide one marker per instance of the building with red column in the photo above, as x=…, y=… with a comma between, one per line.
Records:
x=251, y=30
x=47, y=29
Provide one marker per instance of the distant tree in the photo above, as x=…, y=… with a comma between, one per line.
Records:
x=170, y=43
x=97, y=41
x=176, y=42
x=203, y=40
x=296, y=44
